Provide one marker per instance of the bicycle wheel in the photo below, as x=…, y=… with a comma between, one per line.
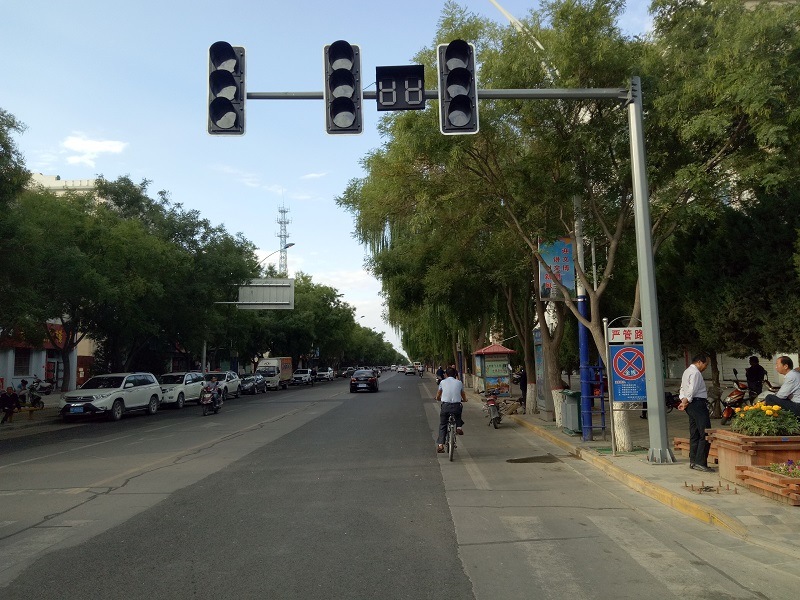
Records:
x=451, y=442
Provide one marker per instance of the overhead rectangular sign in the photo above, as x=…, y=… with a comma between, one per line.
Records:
x=267, y=294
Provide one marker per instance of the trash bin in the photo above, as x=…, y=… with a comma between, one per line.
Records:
x=571, y=410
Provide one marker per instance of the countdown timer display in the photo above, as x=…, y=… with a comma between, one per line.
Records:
x=400, y=88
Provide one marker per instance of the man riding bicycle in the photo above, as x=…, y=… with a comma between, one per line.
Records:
x=451, y=395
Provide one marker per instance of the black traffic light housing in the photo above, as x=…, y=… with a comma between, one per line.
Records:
x=458, y=88
x=226, y=89
x=342, y=90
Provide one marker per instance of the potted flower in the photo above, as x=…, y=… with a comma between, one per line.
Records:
x=780, y=481
x=760, y=435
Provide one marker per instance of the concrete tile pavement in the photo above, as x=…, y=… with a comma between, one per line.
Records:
x=701, y=496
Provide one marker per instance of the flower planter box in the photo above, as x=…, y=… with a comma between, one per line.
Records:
x=735, y=449
x=772, y=485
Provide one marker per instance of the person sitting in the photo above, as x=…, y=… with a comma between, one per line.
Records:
x=451, y=395
x=788, y=397
x=9, y=402
x=216, y=390
x=755, y=375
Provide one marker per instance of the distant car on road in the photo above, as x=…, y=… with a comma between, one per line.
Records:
x=410, y=370
x=325, y=374
x=253, y=383
x=112, y=395
x=179, y=388
x=347, y=372
x=228, y=381
x=363, y=380
x=302, y=377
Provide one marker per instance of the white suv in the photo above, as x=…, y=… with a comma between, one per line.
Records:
x=302, y=377
x=113, y=395
x=229, y=382
x=178, y=388
x=325, y=374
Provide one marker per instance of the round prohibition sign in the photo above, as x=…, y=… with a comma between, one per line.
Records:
x=629, y=364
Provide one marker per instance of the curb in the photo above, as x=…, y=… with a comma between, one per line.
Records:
x=643, y=486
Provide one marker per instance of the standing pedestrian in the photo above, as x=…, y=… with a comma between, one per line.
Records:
x=694, y=400
x=523, y=388
x=9, y=402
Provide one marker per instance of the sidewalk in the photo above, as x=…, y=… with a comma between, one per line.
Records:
x=702, y=496
x=48, y=416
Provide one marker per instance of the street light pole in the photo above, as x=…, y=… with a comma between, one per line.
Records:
x=285, y=247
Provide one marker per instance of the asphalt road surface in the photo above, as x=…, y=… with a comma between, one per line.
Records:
x=319, y=493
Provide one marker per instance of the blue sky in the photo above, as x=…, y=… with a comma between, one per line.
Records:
x=117, y=88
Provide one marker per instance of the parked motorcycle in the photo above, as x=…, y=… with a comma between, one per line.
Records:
x=29, y=394
x=44, y=386
x=210, y=400
x=493, y=409
x=740, y=396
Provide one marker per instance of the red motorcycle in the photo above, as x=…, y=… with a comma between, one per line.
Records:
x=210, y=400
x=492, y=409
x=739, y=396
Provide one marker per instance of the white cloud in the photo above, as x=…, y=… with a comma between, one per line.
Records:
x=313, y=175
x=86, y=151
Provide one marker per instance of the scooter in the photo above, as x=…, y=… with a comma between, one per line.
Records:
x=210, y=400
x=492, y=409
x=741, y=395
x=44, y=386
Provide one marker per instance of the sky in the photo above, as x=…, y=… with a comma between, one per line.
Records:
x=120, y=89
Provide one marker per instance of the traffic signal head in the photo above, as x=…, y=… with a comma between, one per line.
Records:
x=342, y=89
x=458, y=88
x=226, y=93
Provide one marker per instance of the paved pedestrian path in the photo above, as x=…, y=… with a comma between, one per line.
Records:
x=702, y=496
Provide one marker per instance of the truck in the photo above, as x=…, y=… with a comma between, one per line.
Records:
x=277, y=371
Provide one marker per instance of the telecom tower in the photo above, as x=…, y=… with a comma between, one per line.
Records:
x=283, y=221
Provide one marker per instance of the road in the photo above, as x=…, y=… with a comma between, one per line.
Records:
x=319, y=493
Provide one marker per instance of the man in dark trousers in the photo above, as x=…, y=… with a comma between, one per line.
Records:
x=523, y=388
x=9, y=402
x=694, y=400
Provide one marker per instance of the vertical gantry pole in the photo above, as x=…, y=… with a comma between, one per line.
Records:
x=660, y=451
x=583, y=332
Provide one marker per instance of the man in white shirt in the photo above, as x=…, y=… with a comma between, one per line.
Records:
x=694, y=400
x=788, y=397
x=451, y=395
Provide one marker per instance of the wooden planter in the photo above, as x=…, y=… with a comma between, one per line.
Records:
x=734, y=449
x=772, y=485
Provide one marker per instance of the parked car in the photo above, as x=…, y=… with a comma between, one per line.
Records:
x=347, y=372
x=363, y=380
x=253, y=383
x=302, y=377
x=113, y=395
x=325, y=374
x=179, y=388
x=229, y=382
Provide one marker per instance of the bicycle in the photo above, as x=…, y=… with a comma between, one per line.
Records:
x=450, y=439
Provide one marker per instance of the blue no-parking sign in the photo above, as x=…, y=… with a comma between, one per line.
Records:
x=627, y=364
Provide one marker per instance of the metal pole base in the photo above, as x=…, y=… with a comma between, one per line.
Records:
x=660, y=456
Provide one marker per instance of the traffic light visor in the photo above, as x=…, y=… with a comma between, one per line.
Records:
x=457, y=54
x=223, y=56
